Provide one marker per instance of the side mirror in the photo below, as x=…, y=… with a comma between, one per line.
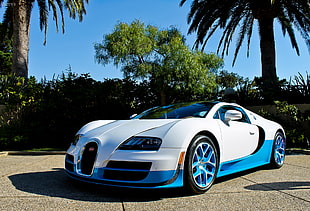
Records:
x=231, y=115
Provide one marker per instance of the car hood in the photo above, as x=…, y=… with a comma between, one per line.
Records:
x=114, y=133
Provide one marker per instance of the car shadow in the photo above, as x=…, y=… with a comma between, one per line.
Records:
x=56, y=183
x=279, y=186
x=242, y=173
x=288, y=185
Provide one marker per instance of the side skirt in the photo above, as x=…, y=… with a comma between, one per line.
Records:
x=259, y=158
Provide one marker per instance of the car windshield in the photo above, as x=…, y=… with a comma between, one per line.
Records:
x=177, y=111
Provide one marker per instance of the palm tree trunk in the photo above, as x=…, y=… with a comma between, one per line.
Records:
x=267, y=47
x=21, y=27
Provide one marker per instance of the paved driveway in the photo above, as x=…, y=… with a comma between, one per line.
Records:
x=40, y=183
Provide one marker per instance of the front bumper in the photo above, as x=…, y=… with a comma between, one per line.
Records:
x=128, y=168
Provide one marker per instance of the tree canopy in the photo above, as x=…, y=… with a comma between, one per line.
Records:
x=159, y=56
x=17, y=17
x=238, y=17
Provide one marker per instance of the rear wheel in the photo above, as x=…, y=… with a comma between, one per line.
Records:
x=201, y=165
x=278, y=151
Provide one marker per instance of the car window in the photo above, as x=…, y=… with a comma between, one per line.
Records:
x=177, y=111
x=220, y=114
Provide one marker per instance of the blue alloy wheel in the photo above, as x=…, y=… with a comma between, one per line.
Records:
x=204, y=164
x=278, y=153
x=201, y=165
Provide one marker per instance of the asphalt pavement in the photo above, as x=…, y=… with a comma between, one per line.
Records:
x=29, y=182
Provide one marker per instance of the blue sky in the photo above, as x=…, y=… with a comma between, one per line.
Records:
x=75, y=48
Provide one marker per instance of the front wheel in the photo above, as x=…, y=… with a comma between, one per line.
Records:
x=201, y=165
x=278, y=151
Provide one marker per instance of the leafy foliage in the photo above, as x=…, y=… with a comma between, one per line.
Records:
x=293, y=121
x=158, y=56
x=49, y=113
x=254, y=92
x=300, y=87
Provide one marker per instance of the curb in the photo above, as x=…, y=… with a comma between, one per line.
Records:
x=3, y=154
x=297, y=151
x=33, y=153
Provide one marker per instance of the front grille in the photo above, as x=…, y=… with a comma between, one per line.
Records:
x=127, y=171
x=88, y=158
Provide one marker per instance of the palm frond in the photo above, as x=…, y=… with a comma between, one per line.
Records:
x=249, y=34
x=303, y=84
x=246, y=29
x=43, y=11
x=296, y=13
x=51, y=4
x=237, y=14
x=8, y=15
x=76, y=8
x=60, y=6
x=299, y=15
x=208, y=16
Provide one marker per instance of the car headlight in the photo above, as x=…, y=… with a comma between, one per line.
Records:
x=76, y=139
x=141, y=143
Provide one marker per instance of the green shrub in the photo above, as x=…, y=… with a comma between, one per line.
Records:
x=49, y=113
x=290, y=117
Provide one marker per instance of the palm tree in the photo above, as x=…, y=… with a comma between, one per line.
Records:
x=18, y=13
x=207, y=16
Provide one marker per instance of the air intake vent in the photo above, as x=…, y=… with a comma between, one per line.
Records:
x=127, y=171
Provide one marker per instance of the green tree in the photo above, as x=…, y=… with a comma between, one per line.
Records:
x=18, y=13
x=207, y=16
x=226, y=79
x=160, y=56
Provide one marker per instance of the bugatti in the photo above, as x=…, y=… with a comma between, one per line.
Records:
x=185, y=145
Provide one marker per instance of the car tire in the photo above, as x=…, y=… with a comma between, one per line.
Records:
x=278, y=151
x=201, y=165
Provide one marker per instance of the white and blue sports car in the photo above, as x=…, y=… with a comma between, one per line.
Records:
x=183, y=145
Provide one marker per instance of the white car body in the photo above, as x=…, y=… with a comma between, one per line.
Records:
x=240, y=145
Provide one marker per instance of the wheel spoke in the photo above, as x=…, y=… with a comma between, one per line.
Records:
x=197, y=173
x=208, y=175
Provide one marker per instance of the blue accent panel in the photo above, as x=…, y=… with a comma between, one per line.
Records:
x=177, y=183
x=155, y=179
x=158, y=176
x=152, y=177
x=261, y=157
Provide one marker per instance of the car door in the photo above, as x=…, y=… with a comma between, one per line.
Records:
x=239, y=137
